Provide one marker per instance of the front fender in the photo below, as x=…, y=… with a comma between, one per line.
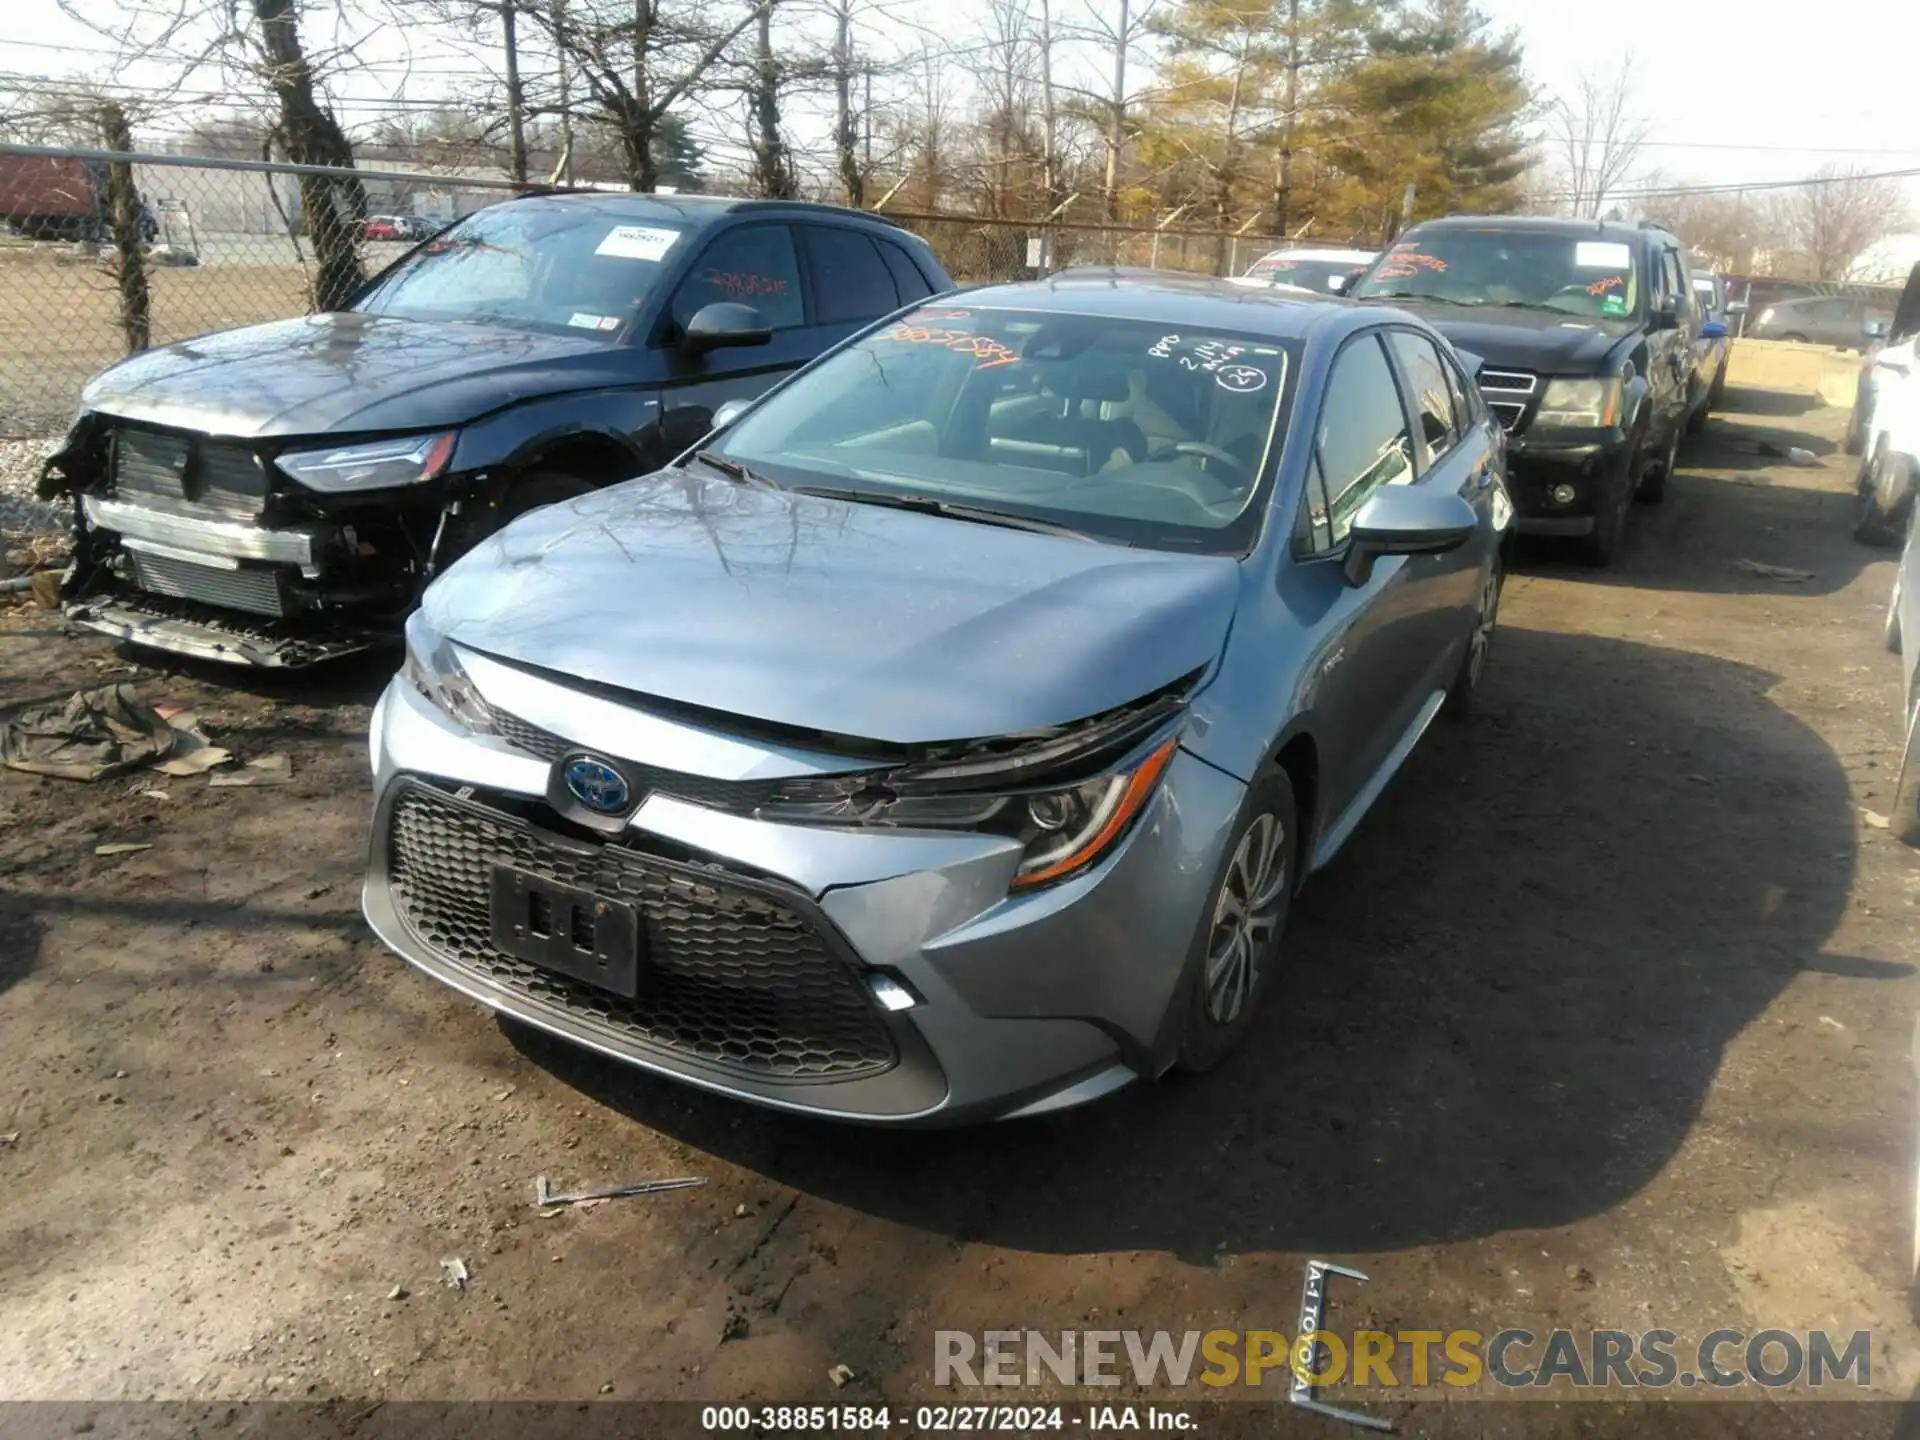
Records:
x=1634, y=399
x=507, y=438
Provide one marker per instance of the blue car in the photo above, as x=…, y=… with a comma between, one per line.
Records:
x=947, y=737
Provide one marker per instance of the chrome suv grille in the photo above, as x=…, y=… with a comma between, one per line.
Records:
x=189, y=471
x=736, y=976
x=741, y=797
x=1509, y=394
x=257, y=591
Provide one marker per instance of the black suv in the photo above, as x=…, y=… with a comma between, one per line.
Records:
x=1584, y=331
x=281, y=494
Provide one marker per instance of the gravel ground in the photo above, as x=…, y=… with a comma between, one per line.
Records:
x=20, y=513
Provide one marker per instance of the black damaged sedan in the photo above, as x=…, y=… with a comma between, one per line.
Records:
x=280, y=495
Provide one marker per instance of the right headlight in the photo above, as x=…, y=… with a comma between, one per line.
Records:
x=435, y=671
x=376, y=465
x=1062, y=829
x=1588, y=404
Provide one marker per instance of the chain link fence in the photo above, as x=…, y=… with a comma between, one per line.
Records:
x=104, y=253
x=214, y=244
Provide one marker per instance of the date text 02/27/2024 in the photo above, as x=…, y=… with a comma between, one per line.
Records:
x=943, y=1419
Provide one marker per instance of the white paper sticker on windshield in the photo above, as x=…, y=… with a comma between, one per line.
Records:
x=584, y=321
x=637, y=242
x=1602, y=255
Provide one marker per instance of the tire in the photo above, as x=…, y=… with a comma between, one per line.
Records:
x=1890, y=627
x=1465, y=689
x=1220, y=1009
x=1906, y=790
x=1879, y=514
x=1857, y=422
x=1652, y=488
x=1600, y=545
x=1717, y=391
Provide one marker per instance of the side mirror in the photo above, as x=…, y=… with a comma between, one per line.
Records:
x=1874, y=329
x=724, y=323
x=1400, y=520
x=730, y=411
x=1338, y=283
x=1713, y=330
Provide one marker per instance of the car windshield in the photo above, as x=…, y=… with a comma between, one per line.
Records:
x=1536, y=269
x=1293, y=270
x=1139, y=432
x=550, y=264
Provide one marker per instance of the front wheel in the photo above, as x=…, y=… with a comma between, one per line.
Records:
x=1473, y=665
x=526, y=493
x=1882, y=498
x=1600, y=544
x=1238, y=938
x=1652, y=488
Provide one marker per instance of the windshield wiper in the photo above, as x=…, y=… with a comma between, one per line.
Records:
x=933, y=505
x=733, y=470
x=1414, y=295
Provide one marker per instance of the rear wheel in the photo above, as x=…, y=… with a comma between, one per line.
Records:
x=1890, y=628
x=1237, y=942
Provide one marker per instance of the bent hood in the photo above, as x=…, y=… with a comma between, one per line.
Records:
x=1543, y=341
x=346, y=372
x=851, y=619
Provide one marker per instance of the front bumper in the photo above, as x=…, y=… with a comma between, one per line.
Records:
x=1539, y=464
x=1025, y=1003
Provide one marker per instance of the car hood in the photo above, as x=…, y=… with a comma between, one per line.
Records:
x=345, y=372
x=1544, y=341
x=850, y=619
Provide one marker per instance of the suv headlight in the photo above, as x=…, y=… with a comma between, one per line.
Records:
x=376, y=465
x=1589, y=404
x=1063, y=829
x=435, y=671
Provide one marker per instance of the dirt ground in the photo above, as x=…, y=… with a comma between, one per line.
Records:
x=1602, y=1020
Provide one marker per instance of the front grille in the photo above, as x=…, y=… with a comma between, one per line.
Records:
x=735, y=977
x=741, y=797
x=214, y=475
x=1508, y=393
x=255, y=591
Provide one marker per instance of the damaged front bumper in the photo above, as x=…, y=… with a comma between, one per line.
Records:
x=189, y=544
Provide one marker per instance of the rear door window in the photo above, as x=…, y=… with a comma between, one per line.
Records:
x=1362, y=439
x=907, y=276
x=1432, y=400
x=850, y=280
x=752, y=265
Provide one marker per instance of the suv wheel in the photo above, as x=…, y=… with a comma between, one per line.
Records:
x=1237, y=942
x=1882, y=497
x=1652, y=488
x=1473, y=664
x=1600, y=544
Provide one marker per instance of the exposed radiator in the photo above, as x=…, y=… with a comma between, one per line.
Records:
x=255, y=591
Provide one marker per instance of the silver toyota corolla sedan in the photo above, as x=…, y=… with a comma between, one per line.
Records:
x=947, y=738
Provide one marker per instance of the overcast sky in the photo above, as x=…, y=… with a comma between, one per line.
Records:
x=1730, y=94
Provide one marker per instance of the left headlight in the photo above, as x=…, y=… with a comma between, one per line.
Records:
x=376, y=465
x=435, y=671
x=1062, y=829
x=1585, y=403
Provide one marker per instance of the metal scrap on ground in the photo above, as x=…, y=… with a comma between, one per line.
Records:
x=1773, y=572
x=544, y=1196
x=453, y=1270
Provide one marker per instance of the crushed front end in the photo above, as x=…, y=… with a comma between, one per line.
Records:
x=207, y=546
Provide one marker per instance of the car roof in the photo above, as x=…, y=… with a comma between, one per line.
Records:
x=1547, y=224
x=1167, y=296
x=694, y=209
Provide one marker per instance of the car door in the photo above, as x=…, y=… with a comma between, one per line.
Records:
x=1673, y=347
x=755, y=264
x=1435, y=604
x=1361, y=680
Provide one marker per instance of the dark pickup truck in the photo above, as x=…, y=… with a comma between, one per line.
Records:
x=1586, y=333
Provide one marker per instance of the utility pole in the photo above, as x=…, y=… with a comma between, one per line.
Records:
x=1117, y=117
x=866, y=116
x=566, y=92
x=516, y=101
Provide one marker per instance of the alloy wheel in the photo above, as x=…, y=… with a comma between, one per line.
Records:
x=1246, y=916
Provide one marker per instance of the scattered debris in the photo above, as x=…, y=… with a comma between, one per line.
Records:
x=153, y=795
x=12, y=1137
x=1875, y=819
x=453, y=1270
x=1794, y=454
x=840, y=1375
x=739, y=1212
x=606, y=1387
x=400, y=1292
x=1581, y=1277
x=1829, y=1020
x=1773, y=572
x=91, y=735
x=544, y=1197
x=44, y=586
x=193, y=753
x=503, y=1094
x=267, y=770
x=119, y=849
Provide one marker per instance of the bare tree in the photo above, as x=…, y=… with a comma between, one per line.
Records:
x=773, y=174
x=1838, y=215
x=1116, y=36
x=1597, y=139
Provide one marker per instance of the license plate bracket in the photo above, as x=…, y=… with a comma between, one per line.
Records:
x=566, y=929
